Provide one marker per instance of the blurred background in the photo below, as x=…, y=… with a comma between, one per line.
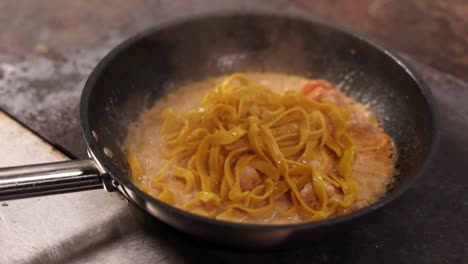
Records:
x=432, y=31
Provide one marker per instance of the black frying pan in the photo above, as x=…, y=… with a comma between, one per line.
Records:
x=142, y=69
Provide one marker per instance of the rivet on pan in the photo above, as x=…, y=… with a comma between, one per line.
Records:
x=108, y=152
x=95, y=136
x=115, y=184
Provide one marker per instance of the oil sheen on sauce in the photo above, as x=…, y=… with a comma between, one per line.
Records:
x=373, y=169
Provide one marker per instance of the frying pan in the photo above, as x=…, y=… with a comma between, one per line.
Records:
x=146, y=67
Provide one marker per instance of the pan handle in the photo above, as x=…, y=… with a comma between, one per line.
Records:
x=49, y=178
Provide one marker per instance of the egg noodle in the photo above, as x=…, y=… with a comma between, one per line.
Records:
x=289, y=139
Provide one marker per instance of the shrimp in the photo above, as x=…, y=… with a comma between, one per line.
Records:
x=319, y=90
x=308, y=193
x=249, y=179
x=316, y=89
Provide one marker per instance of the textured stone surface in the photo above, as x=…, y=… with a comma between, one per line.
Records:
x=19, y=146
x=48, y=47
x=434, y=32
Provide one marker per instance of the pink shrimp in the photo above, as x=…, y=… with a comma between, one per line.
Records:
x=320, y=90
x=249, y=179
x=309, y=195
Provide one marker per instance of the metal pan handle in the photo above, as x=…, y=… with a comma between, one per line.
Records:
x=49, y=178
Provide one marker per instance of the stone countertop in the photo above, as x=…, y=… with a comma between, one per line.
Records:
x=48, y=48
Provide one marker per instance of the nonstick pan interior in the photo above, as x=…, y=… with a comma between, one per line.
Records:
x=134, y=75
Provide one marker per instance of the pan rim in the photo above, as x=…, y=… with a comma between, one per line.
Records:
x=125, y=182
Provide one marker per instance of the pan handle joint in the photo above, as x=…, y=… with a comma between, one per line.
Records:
x=52, y=178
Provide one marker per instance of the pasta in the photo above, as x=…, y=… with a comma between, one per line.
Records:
x=248, y=152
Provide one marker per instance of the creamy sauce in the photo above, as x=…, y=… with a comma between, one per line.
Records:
x=373, y=167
